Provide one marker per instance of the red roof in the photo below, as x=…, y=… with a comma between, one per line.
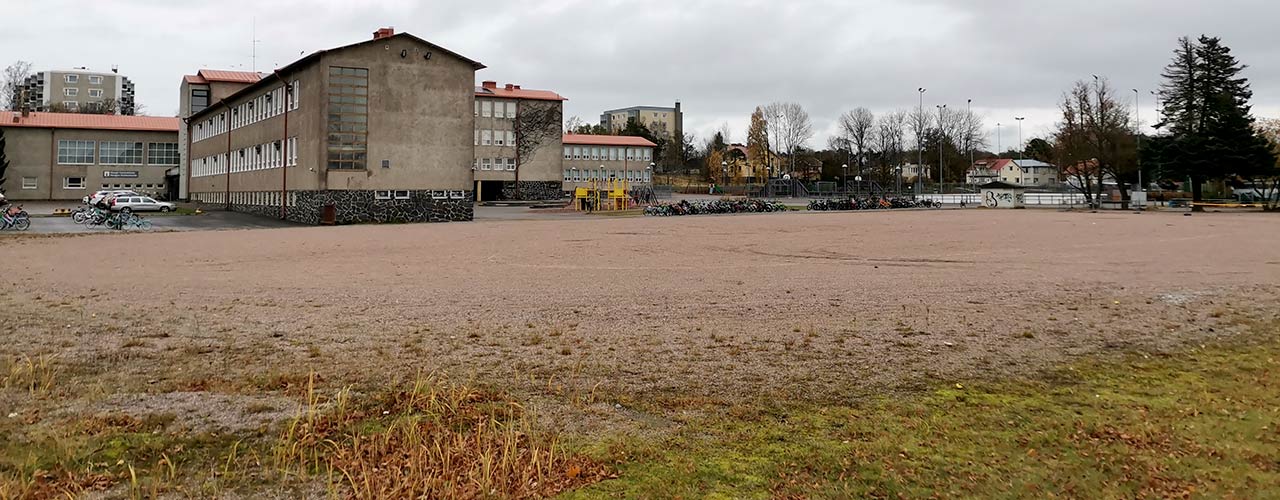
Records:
x=205, y=76
x=994, y=164
x=519, y=93
x=86, y=121
x=607, y=140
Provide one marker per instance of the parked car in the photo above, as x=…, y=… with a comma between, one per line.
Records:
x=139, y=203
x=94, y=198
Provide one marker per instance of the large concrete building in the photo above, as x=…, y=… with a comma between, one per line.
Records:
x=373, y=131
x=499, y=165
x=199, y=91
x=66, y=156
x=666, y=121
x=75, y=90
x=588, y=158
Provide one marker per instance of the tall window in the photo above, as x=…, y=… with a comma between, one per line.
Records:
x=486, y=109
x=511, y=110
x=120, y=153
x=199, y=99
x=75, y=152
x=348, y=117
x=162, y=153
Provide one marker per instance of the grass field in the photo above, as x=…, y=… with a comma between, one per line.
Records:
x=762, y=356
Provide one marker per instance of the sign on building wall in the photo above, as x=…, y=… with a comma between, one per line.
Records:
x=120, y=174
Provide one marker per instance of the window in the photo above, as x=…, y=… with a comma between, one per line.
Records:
x=400, y=195
x=477, y=103
x=71, y=78
x=567, y=177
x=486, y=164
x=511, y=138
x=71, y=105
x=477, y=137
x=95, y=80
x=349, y=118
x=382, y=195
x=568, y=153
x=577, y=152
x=73, y=183
x=511, y=164
x=71, y=92
x=162, y=153
x=486, y=109
x=120, y=153
x=29, y=183
x=613, y=154
x=511, y=110
x=75, y=152
x=95, y=92
x=499, y=138
x=486, y=137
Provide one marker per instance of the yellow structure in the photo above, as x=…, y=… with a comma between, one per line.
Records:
x=608, y=195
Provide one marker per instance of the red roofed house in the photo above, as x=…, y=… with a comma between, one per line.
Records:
x=67, y=156
x=499, y=170
x=601, y=157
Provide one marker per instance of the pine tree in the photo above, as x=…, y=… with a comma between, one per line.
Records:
x=4, y=162
x=1207, y=113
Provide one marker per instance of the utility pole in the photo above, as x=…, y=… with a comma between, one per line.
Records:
x=942, y=139
x=1021, y=152
x=1137, y=135
x=920, y=147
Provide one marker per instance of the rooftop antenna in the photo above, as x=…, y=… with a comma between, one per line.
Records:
x=253, y=35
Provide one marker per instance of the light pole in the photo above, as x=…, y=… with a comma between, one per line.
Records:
x=920, y=145
x=1137, y=137
x=968, y=139
x=942, y=136
x=858, y=179
x=844, y=179
x=1021, y=152
x=898, y=176
x=724, y=165
x=999, y=138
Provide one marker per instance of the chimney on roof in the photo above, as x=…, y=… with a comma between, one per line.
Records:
x=517, y=87
x=387, y=32
x=489, y=84
x=510, y=87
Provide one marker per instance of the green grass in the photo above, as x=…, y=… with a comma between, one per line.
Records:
x=1204, y=423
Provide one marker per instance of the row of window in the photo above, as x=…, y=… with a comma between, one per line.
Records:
x=73, y=92
x=607, y=153
x=259, y=157
x=575, y=175
x=495, y=138
x=261, y=198
x=93, y=79
x=404, y=195
x=495, y=109
x=77, y=152
x=266, y=105
x=508, y=164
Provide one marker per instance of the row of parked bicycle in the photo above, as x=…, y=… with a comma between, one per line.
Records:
x=872, y=203
x=685, y=207
x=94, y=216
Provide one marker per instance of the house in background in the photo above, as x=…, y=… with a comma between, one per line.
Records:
x=1026, y=173
x=660, y=120
x=197, y=92
x=590, y=158
x=496, y=109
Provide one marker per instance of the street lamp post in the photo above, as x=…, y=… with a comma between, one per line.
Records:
x=898, y=176
x=999, y=140
x=920, y=146
x=724, y=165
x=858, y=179
x=1137, y=135
x=941, y=140
x=1022, y=148
x=844, y=179
x=968, y=139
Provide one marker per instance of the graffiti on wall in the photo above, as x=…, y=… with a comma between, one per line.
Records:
x=1006, y=199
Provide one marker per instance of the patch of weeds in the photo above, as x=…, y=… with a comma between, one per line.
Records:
x=131, y=343
x=533, y=340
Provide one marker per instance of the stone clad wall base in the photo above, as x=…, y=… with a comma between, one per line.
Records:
x=362, y=207
x=534, y=190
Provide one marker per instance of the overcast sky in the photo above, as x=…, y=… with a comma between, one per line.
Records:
x=720, y=58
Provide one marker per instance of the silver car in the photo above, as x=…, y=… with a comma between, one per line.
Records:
x=139, y=203
x=94, y=198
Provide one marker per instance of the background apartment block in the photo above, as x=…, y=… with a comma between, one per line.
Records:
x=67, y=156
x=369, y=132
x=495, y=163
x=588, y=158
x=74, y=90
x=666, y=121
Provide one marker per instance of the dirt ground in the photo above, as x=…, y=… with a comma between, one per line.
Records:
x=622, y=313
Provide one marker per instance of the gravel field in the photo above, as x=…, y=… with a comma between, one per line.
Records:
x=643, y=311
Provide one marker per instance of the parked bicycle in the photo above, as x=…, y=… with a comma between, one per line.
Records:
x=15, y=218
x=685, y=207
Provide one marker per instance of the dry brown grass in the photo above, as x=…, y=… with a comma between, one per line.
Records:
x=429, y=440
x=35, y=375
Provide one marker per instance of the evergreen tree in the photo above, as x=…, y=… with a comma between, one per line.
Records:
x=4, y=162
x=1207, y=113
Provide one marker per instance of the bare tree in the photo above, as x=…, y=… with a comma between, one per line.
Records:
x=859, y=128
x=536, y=124
x=792, y=127
x=1095, y=139
x=891, y=133
x=920, y=122
x=572, y=124
x=10, y=80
